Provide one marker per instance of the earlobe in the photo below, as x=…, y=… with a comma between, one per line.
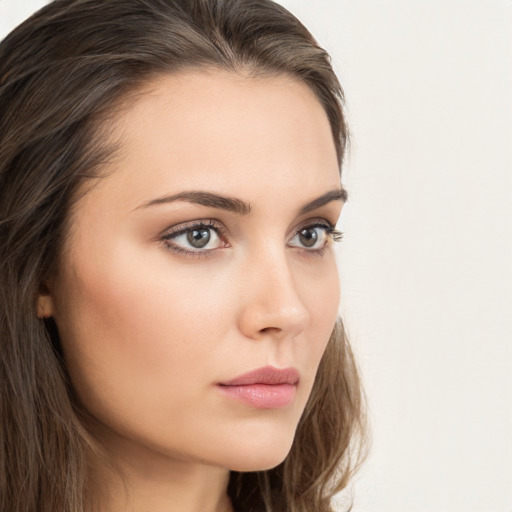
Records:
x=44, y=303
x=44, y=306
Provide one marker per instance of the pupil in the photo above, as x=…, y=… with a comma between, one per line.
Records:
x=308, y=237
x=198, y=238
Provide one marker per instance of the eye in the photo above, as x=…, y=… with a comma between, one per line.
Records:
x=194, y=238
x=312, y=238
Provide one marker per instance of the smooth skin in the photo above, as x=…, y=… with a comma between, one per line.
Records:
x=159, y=298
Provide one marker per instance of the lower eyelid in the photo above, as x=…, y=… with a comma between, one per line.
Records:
x=184, y=253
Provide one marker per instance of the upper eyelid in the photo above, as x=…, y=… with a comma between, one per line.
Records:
x=316, y=221
x=184, y=226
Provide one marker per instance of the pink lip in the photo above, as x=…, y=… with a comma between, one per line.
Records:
x=263, y=388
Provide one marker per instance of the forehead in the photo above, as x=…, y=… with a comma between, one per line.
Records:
x=218, y=130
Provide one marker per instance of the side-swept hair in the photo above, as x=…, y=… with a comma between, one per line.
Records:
x=63, y=73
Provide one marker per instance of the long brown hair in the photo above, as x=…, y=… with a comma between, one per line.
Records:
x=63, y=73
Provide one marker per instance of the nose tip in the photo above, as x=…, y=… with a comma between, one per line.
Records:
x=270, y=320
x=273, y=307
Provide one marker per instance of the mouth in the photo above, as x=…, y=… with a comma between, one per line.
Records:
x=263, y=388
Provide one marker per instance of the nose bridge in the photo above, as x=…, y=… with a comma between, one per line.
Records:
x=272, y=302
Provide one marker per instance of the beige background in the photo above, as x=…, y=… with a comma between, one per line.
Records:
x=427, y=258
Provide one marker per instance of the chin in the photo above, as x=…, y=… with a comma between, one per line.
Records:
x=257, y=463
x=259, y=455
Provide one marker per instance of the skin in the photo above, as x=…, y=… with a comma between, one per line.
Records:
x=148, y=332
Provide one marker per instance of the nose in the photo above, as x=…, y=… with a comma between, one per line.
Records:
x=270, y=302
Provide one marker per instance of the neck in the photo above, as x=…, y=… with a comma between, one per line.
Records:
x=140, y=480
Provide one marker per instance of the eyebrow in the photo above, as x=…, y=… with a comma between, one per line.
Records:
x=339, y=194
x=232, y=204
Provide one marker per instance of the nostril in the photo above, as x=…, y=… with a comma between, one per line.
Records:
x=270, y=330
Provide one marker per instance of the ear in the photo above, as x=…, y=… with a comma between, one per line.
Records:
x=44, y=303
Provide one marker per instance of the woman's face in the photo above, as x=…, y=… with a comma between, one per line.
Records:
x=204, y=254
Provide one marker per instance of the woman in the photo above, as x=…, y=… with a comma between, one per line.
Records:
x=169, y=187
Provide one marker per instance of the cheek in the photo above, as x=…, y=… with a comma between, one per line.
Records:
x=320, y=293
x=134, y=332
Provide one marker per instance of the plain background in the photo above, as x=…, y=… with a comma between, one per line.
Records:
x=426, y=263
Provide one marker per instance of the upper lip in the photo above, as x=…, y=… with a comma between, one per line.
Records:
x=266, y=375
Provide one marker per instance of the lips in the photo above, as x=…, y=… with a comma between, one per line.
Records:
x=263, y=388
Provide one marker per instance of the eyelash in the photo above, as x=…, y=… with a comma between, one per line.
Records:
x=332, y=234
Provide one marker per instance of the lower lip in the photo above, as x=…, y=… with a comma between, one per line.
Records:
x=262, y=396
